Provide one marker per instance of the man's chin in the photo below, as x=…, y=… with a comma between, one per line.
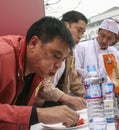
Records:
x=47, y=75
x=43, y=76
x=104, y=47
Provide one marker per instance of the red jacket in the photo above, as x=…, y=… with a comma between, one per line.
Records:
x=12, y=57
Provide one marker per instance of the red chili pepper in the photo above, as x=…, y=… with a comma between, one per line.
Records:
x=80, y=122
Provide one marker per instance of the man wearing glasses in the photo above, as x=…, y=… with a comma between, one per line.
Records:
x=90, y=52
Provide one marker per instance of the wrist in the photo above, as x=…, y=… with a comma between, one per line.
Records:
x=64, y=99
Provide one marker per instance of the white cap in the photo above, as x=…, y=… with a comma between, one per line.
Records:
x=110, y=25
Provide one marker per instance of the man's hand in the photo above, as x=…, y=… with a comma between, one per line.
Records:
x=59, y=114
x=76, y=103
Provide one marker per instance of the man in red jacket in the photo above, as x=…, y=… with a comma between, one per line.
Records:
x=25, y=62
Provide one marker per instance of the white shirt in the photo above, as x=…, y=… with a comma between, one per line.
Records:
x=59, y=73
x=89, y=53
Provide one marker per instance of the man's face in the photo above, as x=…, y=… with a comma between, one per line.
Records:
x=76, y=29
x=46, y=59
x=105, y=38
x=116, y=40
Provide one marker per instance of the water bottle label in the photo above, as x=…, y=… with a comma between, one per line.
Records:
x=109, y=110
x=93, y=91
x=109, y=91
x=109, y=88
x=91, y=68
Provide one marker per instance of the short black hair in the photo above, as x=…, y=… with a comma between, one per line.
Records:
x=73, y=17
x=47, y=28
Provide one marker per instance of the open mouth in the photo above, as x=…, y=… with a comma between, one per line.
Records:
x=51, y=73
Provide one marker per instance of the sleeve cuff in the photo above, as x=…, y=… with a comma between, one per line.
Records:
x=34, y=117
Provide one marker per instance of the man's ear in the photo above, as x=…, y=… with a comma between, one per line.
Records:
x=34, y=40
x=68, y=25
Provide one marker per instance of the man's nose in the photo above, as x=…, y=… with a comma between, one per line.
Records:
x=105, y=40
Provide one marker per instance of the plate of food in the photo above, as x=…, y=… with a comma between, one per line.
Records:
x=59, y=126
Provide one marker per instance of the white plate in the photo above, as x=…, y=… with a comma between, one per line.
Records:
x=83, y=111
x=59, y=126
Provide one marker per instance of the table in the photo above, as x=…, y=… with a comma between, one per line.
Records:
x=39, y=127
x=83, y=113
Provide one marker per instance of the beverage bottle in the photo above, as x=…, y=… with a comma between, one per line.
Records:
x=94, y=97
x=116, y=111
x=108, y=97
x=109, y=101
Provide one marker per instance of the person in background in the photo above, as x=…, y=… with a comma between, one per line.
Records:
x=117, y=38
x=25, y=62
x=69, y=87
x=90, y=52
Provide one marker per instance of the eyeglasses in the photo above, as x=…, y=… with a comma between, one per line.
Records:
x=80, y=31
x=107, y=38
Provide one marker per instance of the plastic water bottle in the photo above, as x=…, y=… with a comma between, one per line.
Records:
x=108, y=94
x=116, y=111
x=109, y=102
x=94, y=97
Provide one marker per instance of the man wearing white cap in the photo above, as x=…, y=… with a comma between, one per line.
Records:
x=90, y=52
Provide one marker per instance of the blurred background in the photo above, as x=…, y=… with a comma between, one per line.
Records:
x=17, y=16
